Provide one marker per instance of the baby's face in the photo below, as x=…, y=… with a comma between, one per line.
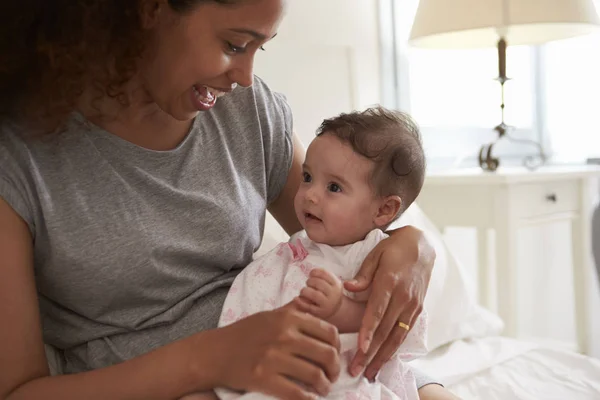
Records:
x=335, y=204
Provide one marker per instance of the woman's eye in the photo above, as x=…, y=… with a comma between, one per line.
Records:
x=262, y=48
x=306, y=177
x=236, y=49
x=334, y=187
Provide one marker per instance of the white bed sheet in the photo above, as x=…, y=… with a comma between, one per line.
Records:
x=498, y=368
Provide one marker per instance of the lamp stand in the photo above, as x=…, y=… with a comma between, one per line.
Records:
x=487, y=161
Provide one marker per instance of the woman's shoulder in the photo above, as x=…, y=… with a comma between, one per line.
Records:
x=24, y=148
x=260, y=92
x=13, y=146
x=256, y=102
x=264, y=93
x=15, y=172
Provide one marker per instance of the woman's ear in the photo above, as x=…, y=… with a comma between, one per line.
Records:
x=150, y=12
x=387, y=211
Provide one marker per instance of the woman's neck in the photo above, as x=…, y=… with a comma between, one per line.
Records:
x=141, y=122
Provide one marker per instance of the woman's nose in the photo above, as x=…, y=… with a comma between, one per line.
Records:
x=243, y=72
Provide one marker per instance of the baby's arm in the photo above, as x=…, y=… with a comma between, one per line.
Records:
x=349, y=316
x=324, y=297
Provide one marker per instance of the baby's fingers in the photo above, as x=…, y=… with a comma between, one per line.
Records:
x=303, y=304
x=319, y=284
x=315, y=296
x=324, y=275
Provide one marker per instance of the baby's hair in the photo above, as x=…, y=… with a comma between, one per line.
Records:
x=393, y=141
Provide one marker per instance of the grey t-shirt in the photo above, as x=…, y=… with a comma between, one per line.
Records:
x=136, y=248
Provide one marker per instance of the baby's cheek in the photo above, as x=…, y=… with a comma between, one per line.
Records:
x=343, y=214
x=347, y=217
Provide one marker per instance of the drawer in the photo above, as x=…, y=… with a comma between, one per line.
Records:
x=544, y=198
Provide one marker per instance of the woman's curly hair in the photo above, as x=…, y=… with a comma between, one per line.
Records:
x=51, y=49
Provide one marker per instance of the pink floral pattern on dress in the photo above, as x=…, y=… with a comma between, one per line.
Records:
x=228, y=316
x=299, y=252
x=263, y=271
x=281, y=248
x=272, y=303
x=362, y=393
x=306, y=268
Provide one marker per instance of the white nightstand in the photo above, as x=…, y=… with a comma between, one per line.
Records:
x=504, y=202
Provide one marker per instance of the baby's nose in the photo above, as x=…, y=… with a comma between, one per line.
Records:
x=312, y=196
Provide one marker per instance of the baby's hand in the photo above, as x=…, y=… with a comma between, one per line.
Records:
x=323, y=293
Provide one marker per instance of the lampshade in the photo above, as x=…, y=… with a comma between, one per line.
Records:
x=477, y=23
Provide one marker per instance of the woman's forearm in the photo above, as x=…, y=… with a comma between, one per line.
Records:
x=421, y=251
x=169, y=372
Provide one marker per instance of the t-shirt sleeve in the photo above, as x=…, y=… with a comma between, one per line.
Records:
x=14, y=187
x=277, y=123
x=282, y=152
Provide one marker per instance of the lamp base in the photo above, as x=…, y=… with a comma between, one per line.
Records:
x=487, y=162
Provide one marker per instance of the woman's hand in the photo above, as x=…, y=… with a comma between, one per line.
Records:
x=398, y=270
x=275, y=352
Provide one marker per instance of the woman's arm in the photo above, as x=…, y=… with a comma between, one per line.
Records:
x=282, y=209
x=435, y=392
x=397, y=270
x=258, y=353
x=166, y=373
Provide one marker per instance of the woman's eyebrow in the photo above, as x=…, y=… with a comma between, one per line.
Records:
x=256, y=35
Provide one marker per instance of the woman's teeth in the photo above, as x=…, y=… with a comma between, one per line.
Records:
x=205, y=96
x=216, y=93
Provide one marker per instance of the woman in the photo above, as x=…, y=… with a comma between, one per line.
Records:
x=123, y=226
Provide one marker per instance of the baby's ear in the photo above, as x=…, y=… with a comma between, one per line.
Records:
x=388, y=209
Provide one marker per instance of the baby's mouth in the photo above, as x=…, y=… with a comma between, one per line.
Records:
x=312, y=217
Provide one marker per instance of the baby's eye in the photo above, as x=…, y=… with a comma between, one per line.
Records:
x=306, y=178
x=334, y=187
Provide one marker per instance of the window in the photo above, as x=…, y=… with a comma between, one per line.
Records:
x=572, y=97
x=553, y=96
x=456, y=88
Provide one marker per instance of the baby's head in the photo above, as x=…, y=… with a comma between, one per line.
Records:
x=361, y=172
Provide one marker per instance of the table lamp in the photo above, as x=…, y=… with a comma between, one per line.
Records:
x=496, y=23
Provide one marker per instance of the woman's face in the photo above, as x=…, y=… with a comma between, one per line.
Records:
x=204, y=53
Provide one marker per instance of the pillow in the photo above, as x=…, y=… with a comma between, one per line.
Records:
x=453, y=313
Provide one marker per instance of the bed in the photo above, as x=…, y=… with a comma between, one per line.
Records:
x=499, y=368
x=468, y=353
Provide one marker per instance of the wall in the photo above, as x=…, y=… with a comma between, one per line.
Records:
x=325, y=59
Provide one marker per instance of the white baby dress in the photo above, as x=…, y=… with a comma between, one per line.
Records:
x=276, y=278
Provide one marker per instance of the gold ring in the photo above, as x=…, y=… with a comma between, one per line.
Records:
x=403, y=325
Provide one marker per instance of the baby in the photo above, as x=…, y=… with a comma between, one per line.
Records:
x=361, y=172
